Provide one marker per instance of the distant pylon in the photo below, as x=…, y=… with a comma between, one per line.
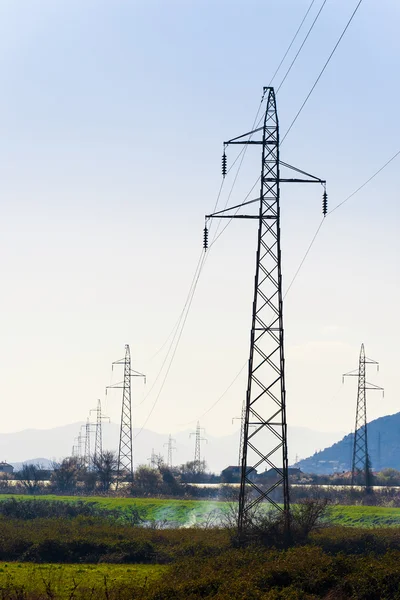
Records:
x=77, y=450
x=87, y=457
x=153, y=459
x=197, y=452
x=98, y=444
x=125, y=452
x=170, y=447
x=361, y=463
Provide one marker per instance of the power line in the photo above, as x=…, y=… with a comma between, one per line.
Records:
x=305, y=101
x=241, y=154
x=298, y=271
x=219, y=398
x=323, y=69
x=301, y=47
x=304, y=258
x=240, y=164
x=365, y=183
x=174, y=351
x=291, y=43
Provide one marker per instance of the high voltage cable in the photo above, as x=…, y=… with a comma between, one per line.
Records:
x=184, y=313
x=301, y=47
x=242, y=154
x=309, y=94
x=174, y=351
x=187, y=304
x=201, y=263
x=365, y=183
x=297, y=273
x=291, y=43
x=323, y=68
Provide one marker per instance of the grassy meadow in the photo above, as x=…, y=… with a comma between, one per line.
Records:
x=189, y=513
x=75, y=580
x=58, y=548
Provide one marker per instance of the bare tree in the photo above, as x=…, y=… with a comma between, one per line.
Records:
x=66, y=475
x=30, y=476
x=105, y=466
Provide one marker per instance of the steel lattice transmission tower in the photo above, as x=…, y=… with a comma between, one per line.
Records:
x=98, y=444
x=361, y=464
x=87, y=457
x=197, y=452
x=170, y=449
x=125, y=451
x=265, y=429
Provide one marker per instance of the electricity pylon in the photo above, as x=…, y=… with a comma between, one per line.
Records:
x=242, y=419
x=77, y=449
x=170, y=449
x=98, y=444
x=87, y=457
x=265, y=445
x=197, y=453
x=361, y=463
x=125, y=451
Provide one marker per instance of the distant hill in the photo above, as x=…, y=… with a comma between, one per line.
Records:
x=383, y=445
x=219, y=452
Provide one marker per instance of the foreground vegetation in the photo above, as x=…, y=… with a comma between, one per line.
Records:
x=59, y=550
x=26, y=580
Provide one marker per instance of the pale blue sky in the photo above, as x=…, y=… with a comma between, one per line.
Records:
x=112, y=117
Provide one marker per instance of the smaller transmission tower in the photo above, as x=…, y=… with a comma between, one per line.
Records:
x=197, y=452
x=98, y=444
x=87, y=457
x=125, y=452
x=361, y=464
x=153, y=459
x=171, y=448
x=77, y=449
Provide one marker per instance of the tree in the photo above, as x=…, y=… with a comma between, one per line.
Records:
x=105, y=466
x=147, y=479
x=66, y=475
x=30, y=476
x=193, y=472
x=169, y=483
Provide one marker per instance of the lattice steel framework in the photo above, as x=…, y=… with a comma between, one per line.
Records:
x=98, y=444
x=197, y=447
x=125, y=451
x=170, y=449
x=87, y=457
x=361, y=463
x=242, y=425
x=264, y=443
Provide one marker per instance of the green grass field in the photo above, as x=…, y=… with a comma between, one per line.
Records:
x=194, y=512
x=62, y=580
x=181, y=512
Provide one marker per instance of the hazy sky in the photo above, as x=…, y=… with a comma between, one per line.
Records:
x=112, y=118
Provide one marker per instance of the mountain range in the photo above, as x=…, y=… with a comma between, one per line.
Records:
x=383, y=449
x=219, y=452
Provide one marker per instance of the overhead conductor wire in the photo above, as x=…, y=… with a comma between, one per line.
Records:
x=330, y=212
x=189, y=299
x=240, y=154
